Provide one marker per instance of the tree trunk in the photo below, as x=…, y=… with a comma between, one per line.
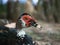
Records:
x=40, y=10
x=16, y=11
x=13, y=10
x=56, y=10
x=9, y=10
x=45, y=11
x=29, y=8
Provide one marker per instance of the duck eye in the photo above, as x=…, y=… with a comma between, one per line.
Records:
x=26, y=18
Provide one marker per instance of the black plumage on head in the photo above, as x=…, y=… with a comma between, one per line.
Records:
x=23, y=15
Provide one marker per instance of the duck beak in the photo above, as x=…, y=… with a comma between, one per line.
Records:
x=33, y=23
x=39, y=26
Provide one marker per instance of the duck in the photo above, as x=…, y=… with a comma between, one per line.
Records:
x=24, y=21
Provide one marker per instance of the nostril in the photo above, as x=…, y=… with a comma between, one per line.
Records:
x=34, y=24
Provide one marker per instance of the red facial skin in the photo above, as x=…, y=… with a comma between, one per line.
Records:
x=27, y=20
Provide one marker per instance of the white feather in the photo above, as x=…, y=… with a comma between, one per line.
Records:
x=21, y=33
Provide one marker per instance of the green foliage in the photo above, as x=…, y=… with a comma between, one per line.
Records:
x=3, y=8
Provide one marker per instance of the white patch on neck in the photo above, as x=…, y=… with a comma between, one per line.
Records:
x=21, y=33
x=23, y=23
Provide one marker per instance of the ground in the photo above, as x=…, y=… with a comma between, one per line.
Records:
x=48, y=35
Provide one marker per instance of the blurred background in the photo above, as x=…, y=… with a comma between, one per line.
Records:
x=47, y=12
